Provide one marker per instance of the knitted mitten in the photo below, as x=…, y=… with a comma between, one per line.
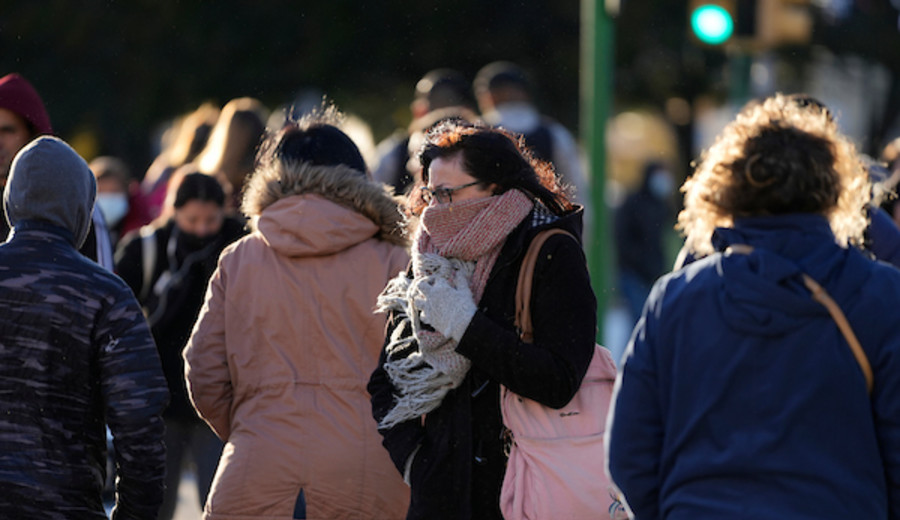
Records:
x=448, y=306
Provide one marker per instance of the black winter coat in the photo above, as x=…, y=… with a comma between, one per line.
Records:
x=458, y=471
x=638, y=230
x=172, y=313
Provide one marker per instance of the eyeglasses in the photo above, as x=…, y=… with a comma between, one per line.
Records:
x=443, y=195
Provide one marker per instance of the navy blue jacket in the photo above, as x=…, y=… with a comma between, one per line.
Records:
x=883, y=237
x=740, y=398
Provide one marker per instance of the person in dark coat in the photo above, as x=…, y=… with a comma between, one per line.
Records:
x=451, y=341
x=168, y=265
x=76, y=356
x=883, y=237
x=740, y=396
x=640, y=223
x=440, y=94
x=506, y=95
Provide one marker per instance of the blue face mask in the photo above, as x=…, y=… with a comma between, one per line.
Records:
x=661, y=184
x=113, y=206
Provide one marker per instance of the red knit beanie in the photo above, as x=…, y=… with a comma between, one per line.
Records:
x=17, y=95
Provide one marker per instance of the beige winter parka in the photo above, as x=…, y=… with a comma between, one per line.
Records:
x=280, y=355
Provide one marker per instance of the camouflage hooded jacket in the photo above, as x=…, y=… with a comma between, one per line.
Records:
x=75, y=355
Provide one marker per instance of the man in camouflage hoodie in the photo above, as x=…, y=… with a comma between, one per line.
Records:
x=75, y=355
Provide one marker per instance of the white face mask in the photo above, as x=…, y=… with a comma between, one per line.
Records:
x=114, y=207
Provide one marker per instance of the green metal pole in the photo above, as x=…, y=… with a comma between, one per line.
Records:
x=739, y=64
x=596, y=99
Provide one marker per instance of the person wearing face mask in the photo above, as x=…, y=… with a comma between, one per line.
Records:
x=451, y=338
x=168, y=265
x=639, y=227
x=118, y=197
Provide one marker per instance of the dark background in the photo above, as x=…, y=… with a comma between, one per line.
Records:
x=118, y=70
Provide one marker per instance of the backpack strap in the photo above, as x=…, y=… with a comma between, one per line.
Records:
x=526, y=280
x=821, y=295
x=148, y=259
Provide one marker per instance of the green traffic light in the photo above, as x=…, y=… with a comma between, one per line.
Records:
x=712, y=24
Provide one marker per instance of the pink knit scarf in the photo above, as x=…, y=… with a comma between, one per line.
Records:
x=469, y=231
x=473, y=231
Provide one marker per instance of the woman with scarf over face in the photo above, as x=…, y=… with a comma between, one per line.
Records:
x=168, y=265
x=451, y=341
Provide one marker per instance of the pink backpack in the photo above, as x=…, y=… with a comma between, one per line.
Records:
x=556, y=461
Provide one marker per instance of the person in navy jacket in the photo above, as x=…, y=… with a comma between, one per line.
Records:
x=739, y=396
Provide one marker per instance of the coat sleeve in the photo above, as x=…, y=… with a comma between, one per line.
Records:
x=635, y=430
x=885, y=405
x=402, y=439
x=627, y=246
x=887, y=419
x=135, y=394
x=564, y=318
x=206, y=361
x=885, y=237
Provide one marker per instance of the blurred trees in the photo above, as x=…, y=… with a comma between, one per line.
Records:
x=119, y=69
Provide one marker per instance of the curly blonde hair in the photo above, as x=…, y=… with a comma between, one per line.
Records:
x=780, y=156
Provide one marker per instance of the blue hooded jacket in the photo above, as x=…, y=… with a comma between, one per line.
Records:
x=740, y=398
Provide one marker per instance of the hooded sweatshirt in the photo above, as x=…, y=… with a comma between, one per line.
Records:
x=76, y=355
x=49, y=182
x=740, y=398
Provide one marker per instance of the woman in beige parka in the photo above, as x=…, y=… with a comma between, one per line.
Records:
x=280, y=355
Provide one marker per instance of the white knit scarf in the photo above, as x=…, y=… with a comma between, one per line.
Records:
x=422, y=364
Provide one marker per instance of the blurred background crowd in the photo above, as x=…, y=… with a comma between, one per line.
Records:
x=148, y=87
x=149, y=92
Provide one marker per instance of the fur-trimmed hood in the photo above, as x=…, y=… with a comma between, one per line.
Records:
x=303, y=209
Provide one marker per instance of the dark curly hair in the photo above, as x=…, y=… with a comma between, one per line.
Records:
x=493, y=156
x=315, y=139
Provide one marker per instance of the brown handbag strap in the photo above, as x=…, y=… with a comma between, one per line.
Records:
x=526, y=279
x=821, y=295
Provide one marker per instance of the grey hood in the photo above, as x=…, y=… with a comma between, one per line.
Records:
x=50, y=182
